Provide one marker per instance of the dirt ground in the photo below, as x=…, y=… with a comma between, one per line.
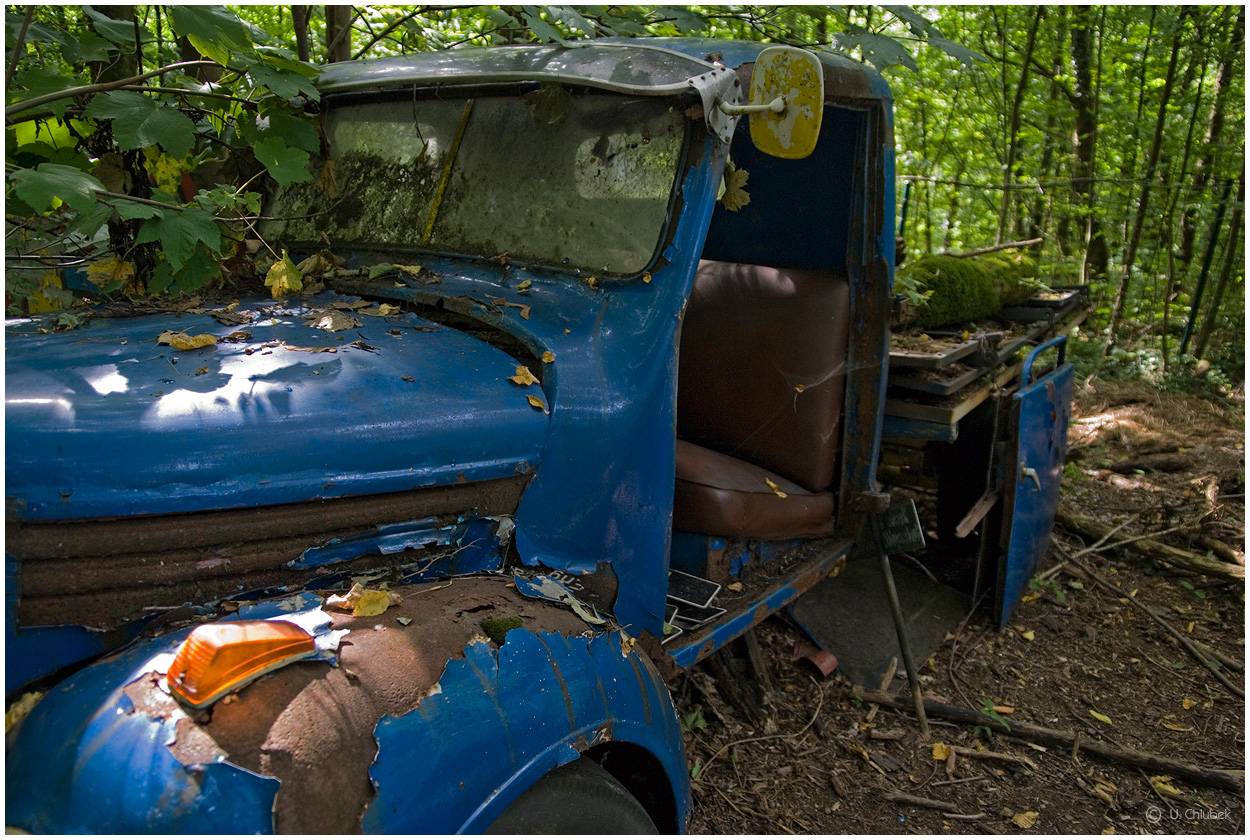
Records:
x=1074, y=657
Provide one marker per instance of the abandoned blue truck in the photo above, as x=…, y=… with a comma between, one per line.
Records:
x=615, y=390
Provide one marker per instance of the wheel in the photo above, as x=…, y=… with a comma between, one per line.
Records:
x=577, y=798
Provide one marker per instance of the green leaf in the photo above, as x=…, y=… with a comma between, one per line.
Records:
x=501, y=18
x=37, y=187
x=686, y=21
x=917, y=24
x=179, y=232
x=286, y=164
x=88, y=224
x=572, y=18
x=38, y=81
x=970, y=58
x=283, y=83
x=85, y=46
x=541, y=29
x=120, y=32
x=295, y=130
x=879, y=50
x=139, y=122
x=134, y=210
x=213, y=30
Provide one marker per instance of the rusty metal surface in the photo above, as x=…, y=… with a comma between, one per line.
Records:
x=210, y=556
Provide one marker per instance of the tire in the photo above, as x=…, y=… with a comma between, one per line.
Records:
x=576, y=798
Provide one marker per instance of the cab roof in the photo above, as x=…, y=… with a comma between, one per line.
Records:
x=640, y=66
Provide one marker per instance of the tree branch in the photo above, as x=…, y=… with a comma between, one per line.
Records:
x=387, y=31
x=100, y=87
x=17, y=48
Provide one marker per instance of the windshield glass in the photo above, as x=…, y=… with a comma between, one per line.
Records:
x=576, y=180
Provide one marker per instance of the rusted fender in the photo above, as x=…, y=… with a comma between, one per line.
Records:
x=500, y=720
x=310, y=748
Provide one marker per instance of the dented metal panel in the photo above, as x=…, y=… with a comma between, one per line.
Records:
x=500, y=720
x=103, y=422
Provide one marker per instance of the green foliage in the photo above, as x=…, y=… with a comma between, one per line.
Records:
x=692, y=721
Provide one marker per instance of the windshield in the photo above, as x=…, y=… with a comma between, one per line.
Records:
x=551, y=177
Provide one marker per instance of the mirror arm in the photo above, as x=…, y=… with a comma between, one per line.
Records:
x=777, y=106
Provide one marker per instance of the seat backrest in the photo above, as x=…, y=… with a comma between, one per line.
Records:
x=761, y=367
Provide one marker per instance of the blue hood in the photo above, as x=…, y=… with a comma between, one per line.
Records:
x=103, y=421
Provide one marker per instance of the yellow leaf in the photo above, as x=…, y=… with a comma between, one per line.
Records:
x=646, y=277
x=1027, y=635
x=1162, y=784
x=1190, y=628
x=1107, y=830
x=524, y=285
x=941, y=751
x=283, y=278
x=373, y=602
x=538, y=404
x=410, y=269
x=110, y=270
x=1100, y=716
x=1188, y=704
x=772, y=485
x=1004, y=710
x=182, y=341
x=523, y=377
x=1025, y=820
x=1031, y=597
x=735, y=196
x=19, y=710
x=736, y=586
x=1176, y=727
x=548, y=357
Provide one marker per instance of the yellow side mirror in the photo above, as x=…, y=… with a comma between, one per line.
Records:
x=792, y=78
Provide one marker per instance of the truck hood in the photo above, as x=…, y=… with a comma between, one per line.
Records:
x=104, y=421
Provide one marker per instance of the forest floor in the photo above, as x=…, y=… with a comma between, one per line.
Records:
x=1073, y=657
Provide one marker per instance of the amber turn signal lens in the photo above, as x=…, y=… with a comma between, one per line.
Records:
x=219, y=658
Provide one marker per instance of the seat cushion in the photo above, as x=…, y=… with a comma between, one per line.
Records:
x=723, y=496
x=761, y=368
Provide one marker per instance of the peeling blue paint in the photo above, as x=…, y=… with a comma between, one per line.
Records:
x=92, y=766
x=501, y=719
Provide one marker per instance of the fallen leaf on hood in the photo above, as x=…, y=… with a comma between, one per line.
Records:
x=283, y=278
x=523, y=377
x=19, y=710
x=185, y=342
x=316, y=264
x=229, y=318
x=410, y=269
x=646, y=277
x=548, y=357
x=524, y=286
x=772, y=485
x=538, y=404
x=201, y=371
x=380, y=311
x=1025, y=820
x=336, y=320
x=525, y=310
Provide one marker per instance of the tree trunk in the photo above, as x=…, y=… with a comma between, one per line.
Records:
x=1143, y=204
x=1230, y=253
x=1014, y=127
x=299, y=21
x=338, y=33
x=1215, y=127
x=1084, y=140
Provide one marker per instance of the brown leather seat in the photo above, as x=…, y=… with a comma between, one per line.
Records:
x=717, y=494
x=760, y=383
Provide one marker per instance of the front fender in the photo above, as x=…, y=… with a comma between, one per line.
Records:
x=422, y=727
x=502, y=720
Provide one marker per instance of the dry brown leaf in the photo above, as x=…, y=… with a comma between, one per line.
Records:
x=548, y=357
x=538, y=404
x=941, y=751
x=1163, y=785
x=336, y=320
x=1025, y=820
x=182, y=341
x=1004, y=710
x=523, y=377
x=524, y=286
x=1186, y=703
x=736, y=586
x=1176, y=727
x=735, y=196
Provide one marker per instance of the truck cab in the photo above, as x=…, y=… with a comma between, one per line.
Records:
x=607, y=349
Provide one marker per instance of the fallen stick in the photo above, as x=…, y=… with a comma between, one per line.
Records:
x=1224, y=780
x=992, y=756
x=921, y=802
x=1087, y=527
x=1025, y=243
x=1176, y=634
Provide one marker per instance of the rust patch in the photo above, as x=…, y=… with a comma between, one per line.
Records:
x=311, y=725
